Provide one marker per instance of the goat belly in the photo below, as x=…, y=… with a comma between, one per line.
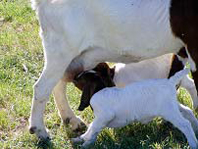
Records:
x=123, y=116
x=118, y=122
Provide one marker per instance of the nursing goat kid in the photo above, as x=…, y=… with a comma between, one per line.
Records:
x=123, y=74
x=140, y=101
x=79, y=34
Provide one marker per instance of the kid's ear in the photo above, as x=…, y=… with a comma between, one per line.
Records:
x=87, y=93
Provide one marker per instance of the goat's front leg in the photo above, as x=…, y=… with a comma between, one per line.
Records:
x=65, y=111
x=53, y=71
x=90, y=136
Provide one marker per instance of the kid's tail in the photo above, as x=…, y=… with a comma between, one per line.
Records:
x=178, y=76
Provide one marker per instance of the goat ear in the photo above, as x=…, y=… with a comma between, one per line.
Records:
x=88, y=91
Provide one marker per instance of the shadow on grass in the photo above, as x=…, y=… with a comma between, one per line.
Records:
x=157, y=134
x=138, y=136
x=147, y=136
x=105, y=141
x=44, y=144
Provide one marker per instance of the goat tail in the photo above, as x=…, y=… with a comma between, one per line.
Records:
x=178, y=76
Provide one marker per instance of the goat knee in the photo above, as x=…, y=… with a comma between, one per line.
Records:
x=37, y=111
x=41, y=94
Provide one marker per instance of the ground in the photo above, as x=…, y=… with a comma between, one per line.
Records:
x=21, y=62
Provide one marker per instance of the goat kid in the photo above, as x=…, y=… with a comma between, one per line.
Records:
x=92, y=81
x=140, y=101
x=88, y=32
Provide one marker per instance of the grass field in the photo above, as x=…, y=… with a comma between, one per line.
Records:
x=21, y=62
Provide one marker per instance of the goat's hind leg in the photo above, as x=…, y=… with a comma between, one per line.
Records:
x=188, y=114
x=65, y=111
x=181, y=123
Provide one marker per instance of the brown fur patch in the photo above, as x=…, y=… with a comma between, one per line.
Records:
x=182, y=52
x=184, y=23
x=176, y=66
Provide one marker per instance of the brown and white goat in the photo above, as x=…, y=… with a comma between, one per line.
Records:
x=123, y=74
x=78, y=34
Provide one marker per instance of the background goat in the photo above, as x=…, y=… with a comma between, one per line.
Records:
x=85, y=33
x=123, y=74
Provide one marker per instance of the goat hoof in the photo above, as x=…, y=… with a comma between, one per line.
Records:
x=67, y=121
x=44, y=139
x=41, y=133
x=32, y=130
x=80, y=127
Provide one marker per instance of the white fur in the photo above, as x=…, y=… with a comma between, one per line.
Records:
x=140, y=101
x=88, y=32
x=151, y=69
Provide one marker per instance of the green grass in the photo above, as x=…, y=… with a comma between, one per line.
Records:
x=20, y=46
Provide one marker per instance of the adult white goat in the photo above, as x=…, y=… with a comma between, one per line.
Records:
x=78, y=34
